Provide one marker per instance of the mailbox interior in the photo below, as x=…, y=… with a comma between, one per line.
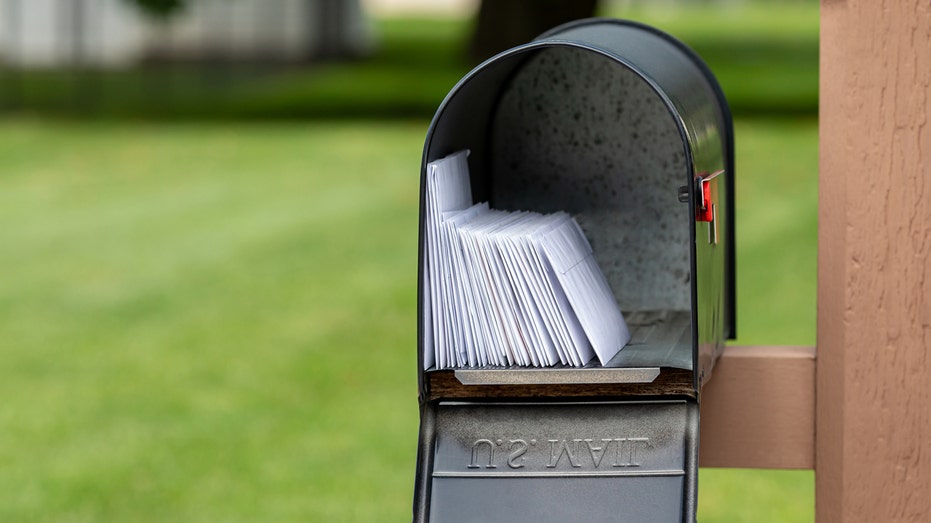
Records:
x=558, y=127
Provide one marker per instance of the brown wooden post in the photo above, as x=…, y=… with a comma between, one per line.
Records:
x=873, y=413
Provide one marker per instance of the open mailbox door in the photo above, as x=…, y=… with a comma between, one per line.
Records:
x=624, y=128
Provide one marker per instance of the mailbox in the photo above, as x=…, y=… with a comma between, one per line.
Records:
x=626, y=129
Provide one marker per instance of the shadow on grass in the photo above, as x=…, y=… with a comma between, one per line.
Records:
x=763, y=77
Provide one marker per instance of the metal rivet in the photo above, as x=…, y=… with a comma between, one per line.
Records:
x=684, y=194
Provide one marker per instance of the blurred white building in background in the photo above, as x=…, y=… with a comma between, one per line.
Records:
x=115, y=33
x=457, y=8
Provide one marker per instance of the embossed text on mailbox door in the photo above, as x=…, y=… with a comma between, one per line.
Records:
x=558, y=453
x=612, y=439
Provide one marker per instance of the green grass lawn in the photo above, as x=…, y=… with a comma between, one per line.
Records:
x=207, y=322
x=216, y=321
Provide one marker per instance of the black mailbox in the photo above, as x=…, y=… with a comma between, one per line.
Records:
x=626, y=129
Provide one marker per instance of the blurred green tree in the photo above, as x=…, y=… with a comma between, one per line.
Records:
x=502, y=24
x=160, y=8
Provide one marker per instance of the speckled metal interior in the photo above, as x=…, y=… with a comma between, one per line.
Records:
x=577, y=131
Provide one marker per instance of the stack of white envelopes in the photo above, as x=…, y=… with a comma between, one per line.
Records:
x=509, y=288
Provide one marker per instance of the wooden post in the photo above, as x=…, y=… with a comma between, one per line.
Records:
x=873, y=412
